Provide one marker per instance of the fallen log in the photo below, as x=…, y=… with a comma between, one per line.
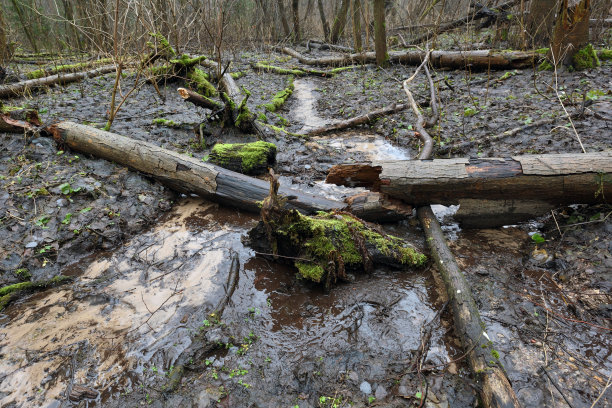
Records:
x=191, y=176
x=245, y=158
x=493, y=384
x=297, y=71
x=477, y=59
x=19, y=88
x=553, y=178
x=57, y=69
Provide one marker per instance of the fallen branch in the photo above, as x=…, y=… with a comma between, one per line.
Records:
x=19, y=88
x=359, y=120
x=199, y=100
x=298, y=71
x=477, y=59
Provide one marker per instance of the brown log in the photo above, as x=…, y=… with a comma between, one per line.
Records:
x=477, y=59
x=189, y=175
x=552, y=178
x=18, y=88
x=199, y=100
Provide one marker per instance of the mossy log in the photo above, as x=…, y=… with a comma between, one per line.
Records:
x=174, y=69
x=200, y=100
x=18, y=120
x=52, y=70
x=19, y=88
x=299, y=72
x=198, y=79
x=326, y=246
x=477, y=59
x=160, y=48
x=11, y=292
x=245, y=158
x=281, y=97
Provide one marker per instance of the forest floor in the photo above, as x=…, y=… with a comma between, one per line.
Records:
x=149, y=265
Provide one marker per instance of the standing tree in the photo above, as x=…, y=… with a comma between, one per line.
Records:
x=339, y=22
x=4, y=46
x=380, y=36
x=323, y=20
x=540, y=22
x=571, y=31
x=295, y=8
x=26, y=27
x=357, y=25
x=283, y=17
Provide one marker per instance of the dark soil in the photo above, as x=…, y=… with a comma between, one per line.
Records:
x=281, y=341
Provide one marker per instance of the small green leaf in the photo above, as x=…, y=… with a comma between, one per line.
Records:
x=418, y=395
x=67, y=219
x=537, y=238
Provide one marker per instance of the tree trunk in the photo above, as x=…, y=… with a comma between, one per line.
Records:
x=540, y=22
x=4, y=46
x=380, y=35
x=571, y=30
x=295, y=9
x=26, y=26
x=19, y=88
x=19, y=121
x=199, y=100
x=357, y=25
x=283, y=17
x=339, y=22
x=555, y=178
x=478, y=59
x=323, y=20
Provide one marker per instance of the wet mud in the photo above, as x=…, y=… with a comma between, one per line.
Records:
x=149, y=266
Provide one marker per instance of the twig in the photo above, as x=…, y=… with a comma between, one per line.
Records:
x=556, y=386
x=603, y=391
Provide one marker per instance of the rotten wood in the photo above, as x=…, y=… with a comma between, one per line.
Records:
x=80, y=392
x=19, y=121
x=477, y=59
x=553, y=178
x=189, y=175
x=19, y=88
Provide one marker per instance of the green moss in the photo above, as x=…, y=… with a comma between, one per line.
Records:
x=199, y=80
x=23, y=274
x=7, y=108
x=43, y=72
x=262, y=117
x=545, y=66
x=165, y=122
x=184, y=61
x=542, y=51
x=604, y=55
x=279, y=70
x=238, y=75
x=495, y=354
x=249, y=154
x=162, y=71
x=329, y=238
x=281, y=97
x=585, y=58
x=161, y=45
x=311, y=271
x=8, y=293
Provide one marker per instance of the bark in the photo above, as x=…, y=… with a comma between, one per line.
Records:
x=283, y=17
x=359, y=120
x=295, y=9
x=326, y=46
x=571, y=30
x=245, y=158
x=4, y=46
x=357, y=25
x=553, y=178
x=189, y=175
x=540, y=22
x=339, y=22
x=380, y=35
x=18, y=88
x=478, y=59
x=199, y=100
x=324, y=23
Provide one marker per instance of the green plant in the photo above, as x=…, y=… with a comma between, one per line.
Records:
x=67, y=219
x=469, y=111
x=43, y=221
x=537, y=238
x=66, y=189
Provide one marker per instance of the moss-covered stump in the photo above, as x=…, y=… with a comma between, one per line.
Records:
x=198, y=80
x=11, y=292
x=246, y=158
x=280, y=98
x=325, y=247
x=585, y=58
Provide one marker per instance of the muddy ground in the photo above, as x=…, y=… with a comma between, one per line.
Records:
x=148, y=265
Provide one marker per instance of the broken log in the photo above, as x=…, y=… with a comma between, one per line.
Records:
x=18, y=120
x=200, y=100
x=192, y=176
x=19, y=88
x=477, y=59
x=554, y=178
x=326, y=246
